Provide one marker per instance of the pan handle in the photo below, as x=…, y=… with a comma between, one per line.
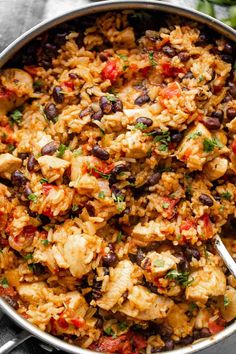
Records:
x=12, y=343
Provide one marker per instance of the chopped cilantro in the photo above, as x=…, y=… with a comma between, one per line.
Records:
x=119, y=236
x=77, y=152
x=124, y=67
x=103, y=175
x=192, y=306
x=226, y=301
x=149, y=153
x=43, y=180
x=201, y=78
x=74, y=207
x=101, y=195
x=188, y=191
x=33, y=197
x=109, y=331
x=45, y=242
x=226, y=195
x=159, y=263
x=181, y=277
x=122, y=325
x=28, y=256
x=111, y=98
x=205, y=252
x=151, y=59
x=4, y=283
x=165, y=205
x=10, y=147
x=38, y=84
x=163, y=138
x=119, y=199
x=123, y=57
x=61, y=150
x=194, y=135
x=140, y=126
x=163, y=147
x=210, y=144
x=16, y=117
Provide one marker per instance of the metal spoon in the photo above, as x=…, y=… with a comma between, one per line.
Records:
x=224, y=253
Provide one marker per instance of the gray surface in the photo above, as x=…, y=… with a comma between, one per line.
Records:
x=16, y=16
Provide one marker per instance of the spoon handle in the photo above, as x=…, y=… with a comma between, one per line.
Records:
x=223, y=252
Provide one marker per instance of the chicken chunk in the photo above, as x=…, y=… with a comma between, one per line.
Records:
x=159, y=263
x=76, y=302
x=228, y=304
x=52, y=167
x=178, y=320
x=120, y=281
x=199, y=146
x=16, y=86
x=144, y=305
x=80, y=178
x=33, y=293
x=207, y=282
x=8, y=164
x=216, y=168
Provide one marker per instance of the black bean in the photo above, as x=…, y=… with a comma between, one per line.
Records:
x=31, y=163
x=49, y=148
x=147, y=121
x=142, y=99
x=44, y=219
x=99, y=323
x=218, y=114
x=60, y=38
x=97, y=115
x=157, y=349
x=100, y=153
x=132, y=257
x=38, y=268
x=212, y=123
x=18, y=179
x=168, y=50
x=203, y=40
x=183, y=56
x=231, y=113
x=169, y=344
x=183, y=265
x=228, y=49
x=117, y=106
x=204, y=333
x=73, y=76
x=232, y=89
x=27, y=190
x=110, y=259
x=51, y=111
x=11, y=301
x=151, y=287
x=227, y=58
x=153, y=179
x=140, y=257
x=103, y=57
x=57, y=94
x=105, y=104
x=85, y=112
x=206, y=200
x=186, y=340
x=23, y=155
x=227, y=98
x=50, y=50
x=191, y=252
x=90, y=209
x=33, y=214
x=119, y=168
x=176, y=137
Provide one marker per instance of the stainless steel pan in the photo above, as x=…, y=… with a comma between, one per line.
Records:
x=28, y=329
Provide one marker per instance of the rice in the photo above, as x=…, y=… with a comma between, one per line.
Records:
x=117, y=168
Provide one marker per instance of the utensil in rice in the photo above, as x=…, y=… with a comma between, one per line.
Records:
x=225, y=255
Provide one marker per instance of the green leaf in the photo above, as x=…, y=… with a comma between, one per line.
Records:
x=74, y=207
x=226, y=195
x=10, y=147
x=122, y=325
x=119, y=199
x=111, y=98
x=45, y=242
x=163, y=147
x=43, y=180
x=151, y=59
x=77, y=152
x=192, y=306
x=103, y=175
x=28, y=256
x=16, y=117
x=109, y=331
x=123, y=57
x=101, y=195
x=4, y=283
x=33, y=197
x=194, y=135
x=210, y=144
x=165, y=205
x=119, y=236
x=226, y=301
x=140, y=126
x=181, y=277
x=61, y=150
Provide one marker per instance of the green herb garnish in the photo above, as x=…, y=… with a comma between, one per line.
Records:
x=210, y=144
x=101, y=195
x=16, y=117
x=28, y=256
x=194, y=135
x=151, y=59
x=43, y=180
x=165, y=205
x=159, y=263
x=226, y=301
x=181, y=277
x=74, y=207
x=140, y=126
x=10, y=147
x=119, y=236
x=122, y=325
x=119, y=199
x=45, y=242
x=61, y=150
x=33, y=197
x=4, y=283
x=226, y=195
x=163, y=138
x=109, y=331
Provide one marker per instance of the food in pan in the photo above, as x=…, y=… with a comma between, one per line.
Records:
x=117, y=167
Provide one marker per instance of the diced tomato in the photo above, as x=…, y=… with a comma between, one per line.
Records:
x=233, y=146
x=133, y=67
x=172, y=90
x=186, y=225
x=69, y=84
x=170, y=71
x=8, y=291
x=78, y=323
x=29, y=231
x=168, y=206
x=48, y=212
x=160, y=44
x=215, y=326
x=32, y=70
x=62, y=322
x=110, y=71
x=208, y=230
x=47, y=188
x=145, y=71
x=106, y=167
x=187, y=153
x=5, y=93
x=110, y=345
x=139, y=341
